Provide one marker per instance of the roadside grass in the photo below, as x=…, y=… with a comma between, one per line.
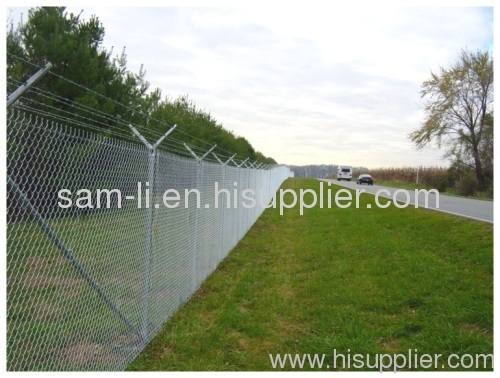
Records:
x=354, y=280
x=402, y=185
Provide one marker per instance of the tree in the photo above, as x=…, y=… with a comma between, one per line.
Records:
x=459, y=102
x=74, y=48
x=486, y=148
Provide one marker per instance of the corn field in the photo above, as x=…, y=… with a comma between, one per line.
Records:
x=427, y=176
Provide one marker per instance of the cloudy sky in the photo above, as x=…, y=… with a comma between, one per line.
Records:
x=307, y=83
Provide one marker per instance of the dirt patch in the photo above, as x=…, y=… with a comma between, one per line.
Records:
x=36, y=280
x=46, y=312
x=44, y=263
x=201, y=293
x=55, y=272
x=166, y=352
x=473, y=329
x=88, y=354
x=390, y=345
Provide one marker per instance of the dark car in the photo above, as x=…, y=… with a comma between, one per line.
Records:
x=365, y=179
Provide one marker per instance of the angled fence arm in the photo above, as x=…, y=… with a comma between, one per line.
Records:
x=206, y=153
x=219, y=160
x=230, y=159
x=12, y=98
x=163, y=137
x=191, y=151
x=141, y=138
x=243, y=162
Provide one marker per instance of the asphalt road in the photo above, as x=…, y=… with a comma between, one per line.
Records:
x=464, y=207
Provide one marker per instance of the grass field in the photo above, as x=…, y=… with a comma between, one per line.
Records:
x=360, y=280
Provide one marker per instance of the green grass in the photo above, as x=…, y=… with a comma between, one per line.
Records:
x=365, y=280
x=402, y=185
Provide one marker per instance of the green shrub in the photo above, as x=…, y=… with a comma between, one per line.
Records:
x=467, y=186
x=442, y=184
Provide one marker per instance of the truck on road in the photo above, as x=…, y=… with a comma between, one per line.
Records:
x=344, y=173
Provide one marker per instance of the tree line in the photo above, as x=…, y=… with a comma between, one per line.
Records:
x=74, y=47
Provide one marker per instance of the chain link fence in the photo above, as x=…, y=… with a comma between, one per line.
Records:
x=88, y=287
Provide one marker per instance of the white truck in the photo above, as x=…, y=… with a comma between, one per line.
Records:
x=344, y=173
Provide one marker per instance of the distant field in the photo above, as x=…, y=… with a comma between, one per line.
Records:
x=360, y=280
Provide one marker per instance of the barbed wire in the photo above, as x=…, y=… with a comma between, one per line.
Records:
x=173, y=144
x=147, y=132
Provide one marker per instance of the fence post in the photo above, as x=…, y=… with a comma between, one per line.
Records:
x=199, y=176
x=148, y=232
x=221, y=235
x=239, y=207
x=225, y=168
x=223, y=214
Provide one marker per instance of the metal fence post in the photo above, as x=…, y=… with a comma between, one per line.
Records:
x=239, y=207
x=148, y=231
x=199, y=176
x=223, y=212
x=148, y=241
x=221, y=235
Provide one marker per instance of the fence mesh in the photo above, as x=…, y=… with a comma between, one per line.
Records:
x=88, y=287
